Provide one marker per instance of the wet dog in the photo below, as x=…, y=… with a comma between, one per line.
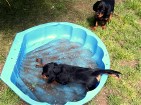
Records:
x=103, y=12
x=64, y=74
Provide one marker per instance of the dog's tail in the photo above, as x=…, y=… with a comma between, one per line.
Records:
x=107, y=71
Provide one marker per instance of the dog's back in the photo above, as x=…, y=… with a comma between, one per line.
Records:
x=111, y=3
x=64, y=74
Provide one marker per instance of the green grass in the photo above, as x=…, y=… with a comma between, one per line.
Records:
x=123, y=41
x=121, y=37
x=7, y=97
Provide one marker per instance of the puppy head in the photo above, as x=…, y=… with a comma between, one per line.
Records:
x=48, y=67
x=99, y=7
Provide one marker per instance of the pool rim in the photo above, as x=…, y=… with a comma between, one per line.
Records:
x=5, y=76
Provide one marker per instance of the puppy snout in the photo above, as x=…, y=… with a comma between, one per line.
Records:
x=44, y=76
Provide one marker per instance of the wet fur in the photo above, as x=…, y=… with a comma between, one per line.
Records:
x=64, y=74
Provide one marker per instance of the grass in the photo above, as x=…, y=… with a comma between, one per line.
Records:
x=7, y=97
x=123, y=41
x=121, y=37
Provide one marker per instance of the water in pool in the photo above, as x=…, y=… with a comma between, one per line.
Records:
x=60, y=51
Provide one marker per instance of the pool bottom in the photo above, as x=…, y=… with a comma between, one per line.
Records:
x=60, y=51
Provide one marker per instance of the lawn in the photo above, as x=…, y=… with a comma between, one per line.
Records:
x=121, y=37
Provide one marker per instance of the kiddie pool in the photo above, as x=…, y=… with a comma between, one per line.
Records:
x=37, y=36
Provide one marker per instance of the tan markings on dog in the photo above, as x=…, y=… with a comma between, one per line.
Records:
x=94, y=28
x=39, y=65
x=110, y=17
x=100, y=15
x=113, y=75
x=103, y=27
x=54, y=82
x=43, y=76
x=96, y=23
x=98, y=77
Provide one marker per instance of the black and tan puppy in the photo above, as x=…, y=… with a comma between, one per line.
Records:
x=64, y=74
x=103, y=12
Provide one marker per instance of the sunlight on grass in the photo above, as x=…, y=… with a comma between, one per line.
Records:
x=7, y=96
x=123, y=42
x=115, y=100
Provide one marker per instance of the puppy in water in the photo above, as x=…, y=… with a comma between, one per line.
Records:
x=64, y=74
x=103, y=12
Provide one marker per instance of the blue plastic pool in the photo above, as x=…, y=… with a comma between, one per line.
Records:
x=89, y=47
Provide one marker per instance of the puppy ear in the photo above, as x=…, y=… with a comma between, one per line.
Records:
x=95, y=6
x=57, y=70
x=51, y=65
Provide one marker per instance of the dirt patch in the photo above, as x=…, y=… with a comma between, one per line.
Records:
x=101, y=99
x=79, y=11
x=139, y=22
x=131, y=63
x=1, y=66
x=84, y=7
x=138, y=85
x=22, y=103
x=120, y=1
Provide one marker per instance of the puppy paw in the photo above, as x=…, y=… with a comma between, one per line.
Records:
x=103, y=27
x=93, y=28
x=37, y=66
x=38, y=60
x=116, y=76
x=43, y=76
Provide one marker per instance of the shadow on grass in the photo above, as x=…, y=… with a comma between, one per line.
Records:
x=22, y=14
x=90, y=21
